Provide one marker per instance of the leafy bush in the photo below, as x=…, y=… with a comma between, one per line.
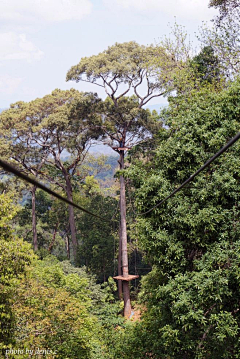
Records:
x=15, y=258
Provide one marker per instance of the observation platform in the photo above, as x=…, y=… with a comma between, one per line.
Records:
x=128, y=278
x=121, y=148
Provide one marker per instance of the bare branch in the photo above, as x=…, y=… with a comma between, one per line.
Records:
x=125, y=92
x=142, y=103
x=91, y=82
x=141, y=75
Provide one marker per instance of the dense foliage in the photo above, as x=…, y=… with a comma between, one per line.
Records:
x=16, y=255
x=55, y=309
x=61, y=301
x=50, y=307
x=192, y=295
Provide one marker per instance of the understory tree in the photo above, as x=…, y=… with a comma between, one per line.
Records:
x=206, y=66
x=97, y=250
x=192, y=295
x=52, y=224
x=52, y=215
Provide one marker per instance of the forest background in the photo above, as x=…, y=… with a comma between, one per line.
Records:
x=57, y=263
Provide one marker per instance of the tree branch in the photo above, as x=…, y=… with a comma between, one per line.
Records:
x=91, y=82
x=143, y=102
x=204, y=336
x=125, y=92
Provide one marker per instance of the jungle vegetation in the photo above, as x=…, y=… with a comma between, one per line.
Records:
x=58, y=298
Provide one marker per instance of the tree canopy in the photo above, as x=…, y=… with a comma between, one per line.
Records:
x=192, y=239
x=126, y=68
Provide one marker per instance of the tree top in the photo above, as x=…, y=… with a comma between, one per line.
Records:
x=122, y=68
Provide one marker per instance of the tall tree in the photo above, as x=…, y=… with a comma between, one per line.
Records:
x=224, y=7
x=224, y=36
x=18, y=145
x=54, y=136
x=121, y=70
x=69, y=136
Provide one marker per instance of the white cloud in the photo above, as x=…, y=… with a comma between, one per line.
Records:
x=8, y=84
x=16, y=47
x=48, y=10
x=185, y=9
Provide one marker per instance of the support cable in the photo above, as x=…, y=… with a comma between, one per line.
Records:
x=9, y=168
x=222, y=150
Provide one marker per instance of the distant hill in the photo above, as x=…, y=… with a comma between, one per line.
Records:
x=100, y=148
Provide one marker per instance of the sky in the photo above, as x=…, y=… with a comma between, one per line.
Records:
x=41, y=39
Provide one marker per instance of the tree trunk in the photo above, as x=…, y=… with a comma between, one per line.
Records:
x=53, y=238
x=71, y=216
x=120, y=285
x=126, y=291
x=67, y=247
x=34, y=219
